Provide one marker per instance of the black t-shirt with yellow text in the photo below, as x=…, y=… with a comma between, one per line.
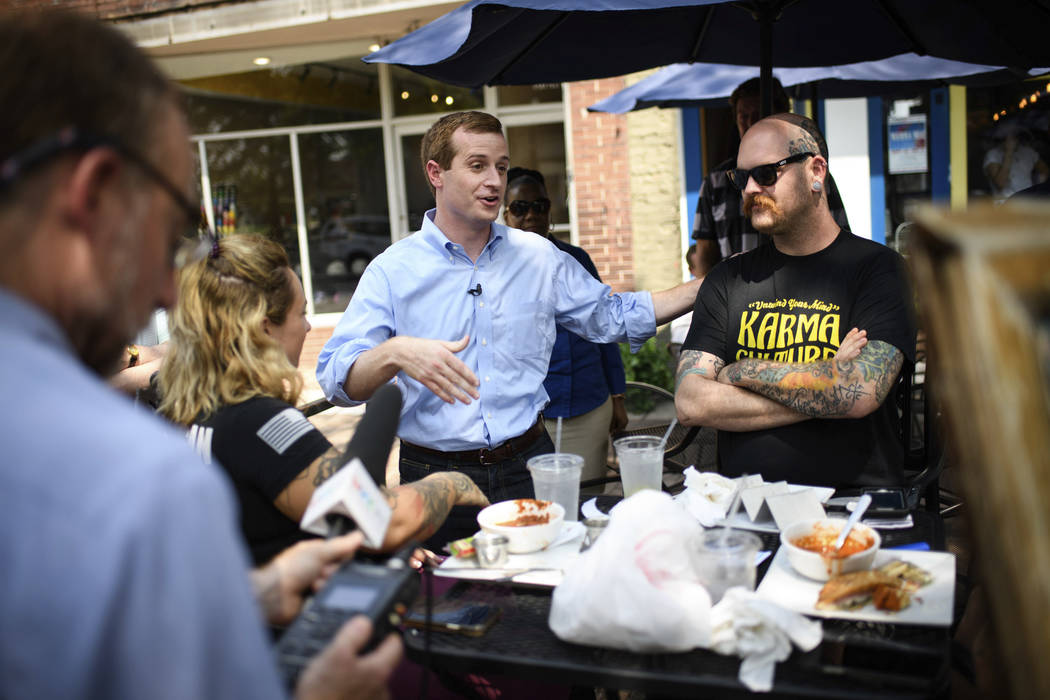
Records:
x=792, y=309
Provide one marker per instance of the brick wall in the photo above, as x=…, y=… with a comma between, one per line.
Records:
x=627, y=188
x=600, y=169
x=656, y=189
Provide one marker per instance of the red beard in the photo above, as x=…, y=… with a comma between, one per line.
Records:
x=761, y=201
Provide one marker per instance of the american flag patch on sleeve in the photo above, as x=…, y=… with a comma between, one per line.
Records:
x=281, y=431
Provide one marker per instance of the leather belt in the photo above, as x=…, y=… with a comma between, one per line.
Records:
x=486, y=456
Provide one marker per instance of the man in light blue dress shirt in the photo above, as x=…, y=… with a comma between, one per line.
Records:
x=124, y=575
x=463, y=313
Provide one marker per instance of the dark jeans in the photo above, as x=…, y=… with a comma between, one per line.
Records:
x=499, y=482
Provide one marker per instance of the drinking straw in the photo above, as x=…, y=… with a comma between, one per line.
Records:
x=557, y=437
x=663, y=441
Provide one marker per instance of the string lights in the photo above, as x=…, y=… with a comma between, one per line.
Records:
x=1025, y=102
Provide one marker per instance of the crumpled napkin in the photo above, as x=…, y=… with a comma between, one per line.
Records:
x=761, y=633
x=707, y=496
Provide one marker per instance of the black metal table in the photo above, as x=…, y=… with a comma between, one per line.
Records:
x=855, y=659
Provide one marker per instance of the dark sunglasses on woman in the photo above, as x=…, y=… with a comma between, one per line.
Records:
x=519, y=207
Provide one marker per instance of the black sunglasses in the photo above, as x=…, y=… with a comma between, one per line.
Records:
x=519, y=207
x=764, y=175
x=196, y=240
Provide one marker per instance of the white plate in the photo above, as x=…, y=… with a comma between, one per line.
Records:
x=543, y=568
x=930, y=605
x=740, y=520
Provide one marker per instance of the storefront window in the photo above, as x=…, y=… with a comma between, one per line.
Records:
x=418, y=94
x=346, y=210
x=529, y=94
x=251, y=182
x=308, y=93
x=542, y=147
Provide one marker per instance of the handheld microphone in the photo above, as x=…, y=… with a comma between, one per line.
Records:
x=375, y=433
x=350, y=498
x=476, y=292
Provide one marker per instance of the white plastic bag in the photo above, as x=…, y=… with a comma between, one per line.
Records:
x=637, y=588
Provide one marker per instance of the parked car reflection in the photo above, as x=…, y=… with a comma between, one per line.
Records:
x=344, y=245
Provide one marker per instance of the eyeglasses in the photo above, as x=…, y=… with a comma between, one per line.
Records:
x=764, y=175
x=195, y=242
x=519, y=207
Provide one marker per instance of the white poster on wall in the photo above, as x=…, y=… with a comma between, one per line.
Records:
x=907, y=144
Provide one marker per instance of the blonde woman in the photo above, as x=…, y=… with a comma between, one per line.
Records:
x=231, y=378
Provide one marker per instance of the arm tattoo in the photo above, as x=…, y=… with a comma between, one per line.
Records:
x=438, y=494
x=822, y=389
x=331, y=462
x=692, y=362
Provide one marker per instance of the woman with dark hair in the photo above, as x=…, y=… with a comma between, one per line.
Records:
x=585, y=381
x=230, y=376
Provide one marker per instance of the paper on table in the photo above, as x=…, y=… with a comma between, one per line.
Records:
x=767, y=524
x=542, y=568
x=590, y=510
x=754, y=498
x=707, y=496
x=791, y=507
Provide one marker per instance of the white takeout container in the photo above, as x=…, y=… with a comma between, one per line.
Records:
x=526, y=538
x=821, y=567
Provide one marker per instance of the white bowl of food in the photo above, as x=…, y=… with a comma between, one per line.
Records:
x=529, y=525
x=810, y=546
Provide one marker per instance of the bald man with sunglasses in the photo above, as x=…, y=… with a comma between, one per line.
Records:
x=796, y=345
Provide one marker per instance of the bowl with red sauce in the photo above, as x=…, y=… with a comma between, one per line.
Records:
x=529, y=524
x=810, y=546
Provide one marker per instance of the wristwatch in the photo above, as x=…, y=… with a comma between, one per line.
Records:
x=133, y=355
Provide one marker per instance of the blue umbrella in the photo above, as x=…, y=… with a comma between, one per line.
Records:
x=709, y=84
x=514, y=42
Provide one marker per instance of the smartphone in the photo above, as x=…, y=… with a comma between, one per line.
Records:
x=889, y=502
x=453, y=614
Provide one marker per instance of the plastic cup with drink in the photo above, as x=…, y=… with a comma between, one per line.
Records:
x=726, y=559
x=641, y=460
x=556, y=477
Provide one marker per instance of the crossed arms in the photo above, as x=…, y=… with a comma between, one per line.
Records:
x=755, y=394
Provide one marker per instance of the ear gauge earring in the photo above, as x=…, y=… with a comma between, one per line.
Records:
x=817, y=187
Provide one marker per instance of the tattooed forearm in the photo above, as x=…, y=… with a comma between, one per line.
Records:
x=436, y=494
x=694, y=362
x=828, y=389
x=330, y=463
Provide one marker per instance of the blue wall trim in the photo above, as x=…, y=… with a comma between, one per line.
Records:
x=692, y=152
x=940, y=146
x=818, y=115
x=876, y=147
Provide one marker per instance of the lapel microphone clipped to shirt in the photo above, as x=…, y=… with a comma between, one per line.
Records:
x=476, y=292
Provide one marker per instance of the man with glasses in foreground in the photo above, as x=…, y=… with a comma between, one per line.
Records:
x=124, y=573
x=765, y=359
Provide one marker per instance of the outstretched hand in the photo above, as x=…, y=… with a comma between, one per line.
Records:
x=433, y=363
